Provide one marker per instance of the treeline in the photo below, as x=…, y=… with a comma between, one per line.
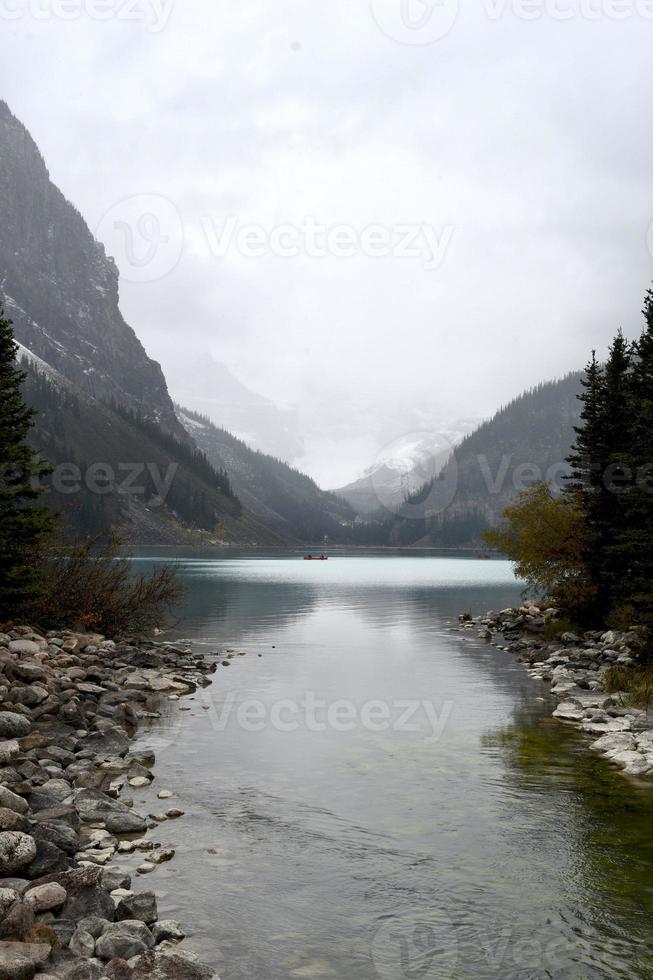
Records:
x=592, y=548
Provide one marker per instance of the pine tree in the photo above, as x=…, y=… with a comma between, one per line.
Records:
x=22, y=522
x=586, y=486
x=634, y=530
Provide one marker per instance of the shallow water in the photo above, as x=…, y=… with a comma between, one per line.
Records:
x=477, y=838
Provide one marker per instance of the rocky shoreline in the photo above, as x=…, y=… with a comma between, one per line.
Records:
x=575, y=666
x=70, y=703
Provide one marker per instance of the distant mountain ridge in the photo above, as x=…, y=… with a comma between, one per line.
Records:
x=527, y=439
x=286, y=500
x=403, y=467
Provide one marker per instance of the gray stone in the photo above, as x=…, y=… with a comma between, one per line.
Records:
x=11, y=801
x=17, y=850
x=42, y=898
x=170, y=965
x=93, y=924
x=13, y=725
x=94, y=806
x=82, y=944
x=19, y=961
x=113, y=878
x=124, y=939
x=141, y=907
x=168, y=929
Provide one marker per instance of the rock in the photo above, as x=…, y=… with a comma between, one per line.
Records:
x=85, y=896
x=634, y=763
x=145, y=868
x=19, y=961
x=167, y=929
x=25, y=648
x=124, y=940
x=94, y=806
x=569, y=711
x=93, y=924
x=113, y=878
x=10, y=820
x=161, y=854
x=174, y=813
x=8, y=751
x=141, y=907
x=88, y=970
x=7, y=898
x=618, y=741
x=11, y=801
x=59, y=834
x=17, y=921
x=139, y=782
x=82, y=944
x=42, y=898
x=16, y=851
x=170, y=965
x=13, y=725
x=48, y=860
x=106, y=744
x=165, y=794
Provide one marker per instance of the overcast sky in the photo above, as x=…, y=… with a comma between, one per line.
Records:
x=258, y=168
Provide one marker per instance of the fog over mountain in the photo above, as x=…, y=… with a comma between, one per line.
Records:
x=365, y=228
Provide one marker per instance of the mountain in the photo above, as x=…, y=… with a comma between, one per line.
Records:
x=404, y=466
x=61, y=289
x=284, y=499
x=209, y=388
x=105, y=418
x=527, y=439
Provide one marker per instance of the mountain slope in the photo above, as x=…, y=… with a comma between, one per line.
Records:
x=114, y=468
x=403, y=467
x=61, y=290
x=528, y=439
x=282, y=497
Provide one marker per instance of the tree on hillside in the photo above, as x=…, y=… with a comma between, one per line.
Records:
x=633, y=533
x=22, y=522
x=599, y=470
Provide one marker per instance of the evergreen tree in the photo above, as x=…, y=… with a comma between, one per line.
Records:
x=634, y=529
x=22, y=523
x=586, y=485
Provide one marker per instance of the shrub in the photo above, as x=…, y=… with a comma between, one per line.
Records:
x=91, y=586
x=545, y=537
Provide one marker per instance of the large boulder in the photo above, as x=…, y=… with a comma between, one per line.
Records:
x=124, y=940
x=141, y=907
x=17, y=850
x=43, y=898
x=11, y=801
x=170, y=965
x=94, y=806
x=19, y=961
x=13, y=725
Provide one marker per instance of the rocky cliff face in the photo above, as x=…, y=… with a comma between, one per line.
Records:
x=61, y=289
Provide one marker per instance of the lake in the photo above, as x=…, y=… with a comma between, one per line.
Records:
x=373, y=794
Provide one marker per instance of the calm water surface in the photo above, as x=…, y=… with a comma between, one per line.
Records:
x=484, y=841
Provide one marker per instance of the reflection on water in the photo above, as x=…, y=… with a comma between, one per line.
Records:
x=499, y=849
